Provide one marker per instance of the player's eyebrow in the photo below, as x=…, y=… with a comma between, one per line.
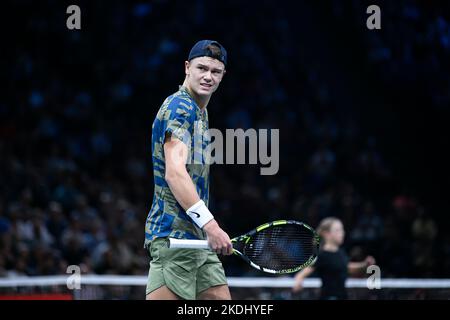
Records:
x=213, y=69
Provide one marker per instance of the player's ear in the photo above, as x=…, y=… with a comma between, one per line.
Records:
x=186, y=67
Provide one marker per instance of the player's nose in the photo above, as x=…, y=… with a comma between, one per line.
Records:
x=207, y=77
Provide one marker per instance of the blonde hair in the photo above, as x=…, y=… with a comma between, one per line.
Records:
x=325, y=225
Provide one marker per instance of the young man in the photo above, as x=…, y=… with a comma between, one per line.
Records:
x=180, y=201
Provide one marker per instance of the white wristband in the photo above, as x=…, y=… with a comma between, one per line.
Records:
x=200, y=214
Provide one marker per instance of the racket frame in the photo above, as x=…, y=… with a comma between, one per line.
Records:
x=245, y=238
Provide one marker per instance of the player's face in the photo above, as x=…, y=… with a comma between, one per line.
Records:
x=336, y=233
x=204, y=75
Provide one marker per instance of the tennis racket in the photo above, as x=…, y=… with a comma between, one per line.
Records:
x=282, y=246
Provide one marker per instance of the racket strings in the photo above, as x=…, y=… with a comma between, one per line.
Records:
x=281, y=247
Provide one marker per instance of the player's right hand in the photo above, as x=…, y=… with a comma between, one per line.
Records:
x=218, y=240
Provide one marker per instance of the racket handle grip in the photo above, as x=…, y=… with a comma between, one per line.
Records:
x=188, y=244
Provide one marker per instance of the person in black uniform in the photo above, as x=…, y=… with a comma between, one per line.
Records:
x=332, y=265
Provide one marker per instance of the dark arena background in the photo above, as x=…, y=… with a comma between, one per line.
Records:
x=362, y=114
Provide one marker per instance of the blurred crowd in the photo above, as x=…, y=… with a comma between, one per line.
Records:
x=413, y=50
x=75, y=125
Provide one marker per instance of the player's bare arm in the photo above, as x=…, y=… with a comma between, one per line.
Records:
x=184, y=191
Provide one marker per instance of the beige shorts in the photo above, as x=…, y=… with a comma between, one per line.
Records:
x=186, y=272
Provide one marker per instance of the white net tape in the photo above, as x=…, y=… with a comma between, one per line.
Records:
x=238, y=282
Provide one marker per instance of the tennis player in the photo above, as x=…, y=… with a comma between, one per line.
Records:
x=332, y=265
x=180, y=202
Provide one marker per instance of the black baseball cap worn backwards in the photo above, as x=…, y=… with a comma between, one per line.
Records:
x=200, y=50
